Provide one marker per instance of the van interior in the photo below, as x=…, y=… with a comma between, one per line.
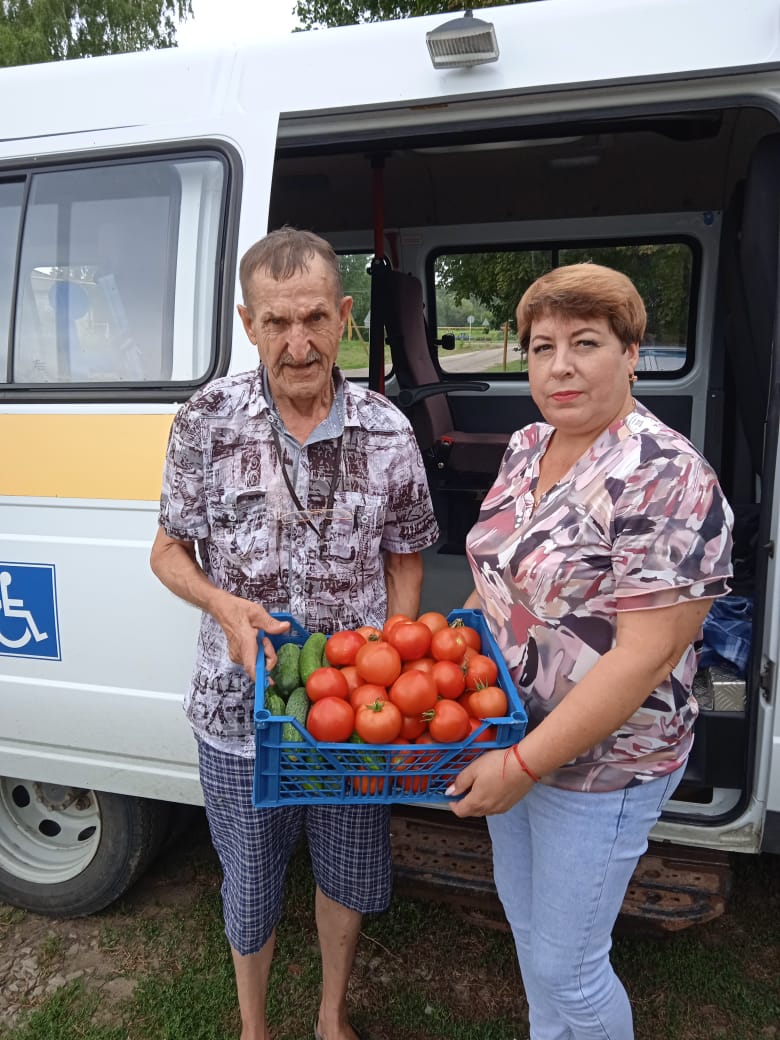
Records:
x=699, y=181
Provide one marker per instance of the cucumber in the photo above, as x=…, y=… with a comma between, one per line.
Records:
x=297, y=708
x=274, y=703
x=373, y=760
x=285, y=672
x=311, y=655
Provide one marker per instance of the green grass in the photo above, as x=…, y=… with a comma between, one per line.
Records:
x=422, y=973
x=68, y=1015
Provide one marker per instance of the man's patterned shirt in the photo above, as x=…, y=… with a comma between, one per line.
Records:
x=223, y=488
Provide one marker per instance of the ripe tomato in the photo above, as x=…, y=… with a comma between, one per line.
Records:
x=488, y=733
x=391, y=621
x=341, y=648
x=480, y=671
x=378, y=663
x=350, y=673
x=413, y=783
x=378, y=723
x=412, y=639
x=448, y=645
x=472, y=637
x=422, y=664
x=468, y=653
x=414, y=692
x=424, y=758
x=367, y=693
x=434, y=620
x=450, y=722
x=412, y=727
x=369, y=632
x=368, y=783
x=331, y=719
x=326, y=682
x=450, y=679
x=488, y=702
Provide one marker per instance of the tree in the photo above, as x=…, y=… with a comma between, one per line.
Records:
x=357, y=283
x=49, y=30
x=497, y=280
x=315, y=14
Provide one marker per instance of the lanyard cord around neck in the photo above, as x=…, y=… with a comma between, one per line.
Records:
x=302, y=511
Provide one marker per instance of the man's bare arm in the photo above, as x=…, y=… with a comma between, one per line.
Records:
x=403, y=576
x=174, y=562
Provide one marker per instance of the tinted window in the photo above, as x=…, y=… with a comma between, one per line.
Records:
x=477, y=293
x=10, y=211
x=353, y=351
x=117, y=273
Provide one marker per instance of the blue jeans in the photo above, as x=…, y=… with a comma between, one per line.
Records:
x=562, y=861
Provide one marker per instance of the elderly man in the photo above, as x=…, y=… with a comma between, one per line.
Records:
x=287, y=488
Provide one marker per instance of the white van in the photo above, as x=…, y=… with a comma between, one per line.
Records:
x=643, y=135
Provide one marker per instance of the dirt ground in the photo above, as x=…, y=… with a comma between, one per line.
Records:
x=39, y=954
x=138, y=935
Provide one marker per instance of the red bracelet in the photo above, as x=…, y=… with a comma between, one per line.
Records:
x=523, y=765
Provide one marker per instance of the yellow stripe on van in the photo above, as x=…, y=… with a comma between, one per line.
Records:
x=83, y=456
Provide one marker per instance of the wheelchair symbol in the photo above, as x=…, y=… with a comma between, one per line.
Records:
x=14, y=608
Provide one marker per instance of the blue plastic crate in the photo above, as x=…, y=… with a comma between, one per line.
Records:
x=313, y=773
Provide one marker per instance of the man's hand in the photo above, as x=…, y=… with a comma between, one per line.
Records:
x=175, y=564
x=241, y=620
x=490, y=784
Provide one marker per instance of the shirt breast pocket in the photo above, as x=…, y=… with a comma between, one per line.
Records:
x=240, y=522
x=352, y=534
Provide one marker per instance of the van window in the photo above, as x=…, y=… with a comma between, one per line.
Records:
x=353, y=350
x=476, y=295
x=117, y=275
x=11, y=194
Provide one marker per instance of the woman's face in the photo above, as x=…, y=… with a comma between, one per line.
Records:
x=579, y=372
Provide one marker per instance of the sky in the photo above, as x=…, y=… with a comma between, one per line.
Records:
x=224, y=19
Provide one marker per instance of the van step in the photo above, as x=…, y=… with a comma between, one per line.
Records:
x=437, y=856
x=719, y=689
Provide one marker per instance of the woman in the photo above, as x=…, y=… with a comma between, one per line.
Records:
x=596, y=556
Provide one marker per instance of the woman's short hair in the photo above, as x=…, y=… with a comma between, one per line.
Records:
x=287, y=252
x=584, y=291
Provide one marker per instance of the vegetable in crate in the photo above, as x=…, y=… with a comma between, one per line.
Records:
x=326, y=682
x=331, y=719
x=285, y=672
x=367, y=764
x=298, y=705
x=341, y=648
x=274, y=703
x=378, y=662
x=379, y=722
x=311, y=655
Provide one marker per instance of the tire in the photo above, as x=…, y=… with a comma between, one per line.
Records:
x=68, y=852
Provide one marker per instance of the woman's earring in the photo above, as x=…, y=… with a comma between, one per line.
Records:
x=632, y=378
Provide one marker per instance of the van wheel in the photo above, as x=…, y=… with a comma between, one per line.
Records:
x=68, y=851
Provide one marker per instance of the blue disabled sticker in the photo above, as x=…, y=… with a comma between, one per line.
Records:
x=28, y=611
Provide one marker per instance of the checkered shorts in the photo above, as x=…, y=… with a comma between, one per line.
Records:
x=349, y=847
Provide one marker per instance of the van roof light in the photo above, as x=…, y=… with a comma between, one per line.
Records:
x=462, y=42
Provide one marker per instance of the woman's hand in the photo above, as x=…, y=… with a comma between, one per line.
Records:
x=490, y=784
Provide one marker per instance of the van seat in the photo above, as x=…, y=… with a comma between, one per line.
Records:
x=459, y=457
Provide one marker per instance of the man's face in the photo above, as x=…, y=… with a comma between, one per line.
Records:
x=297, y=325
